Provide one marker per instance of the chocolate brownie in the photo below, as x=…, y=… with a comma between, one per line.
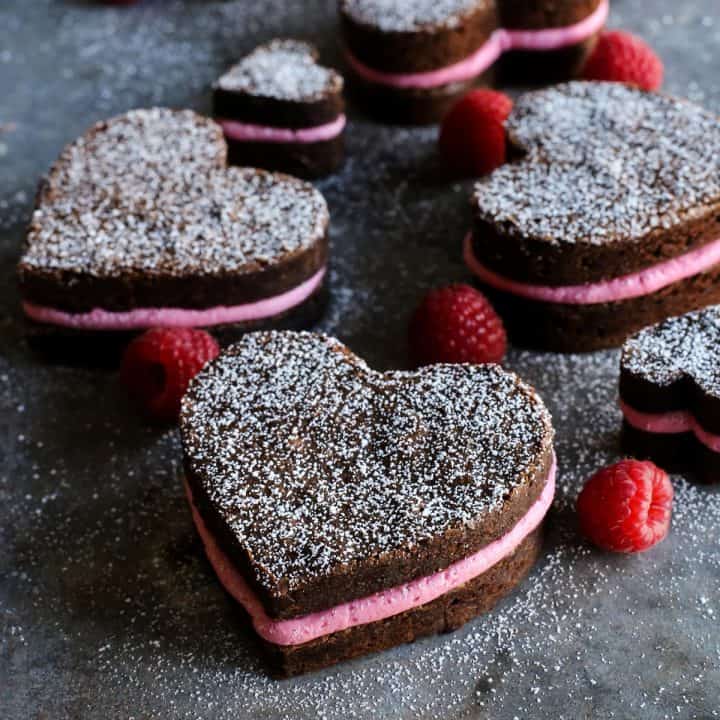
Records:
x=410, y=59
x=281, y=110
x=606, y=220
x=670, y=393
x=323, y=482
x=140, y=223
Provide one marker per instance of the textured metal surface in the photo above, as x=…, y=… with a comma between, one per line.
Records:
x=108, y=608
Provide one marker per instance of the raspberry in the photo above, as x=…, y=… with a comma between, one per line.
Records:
x=472, y=136
x=622, y=57
x=626, y=507
x=456, y=324
x=158, y=365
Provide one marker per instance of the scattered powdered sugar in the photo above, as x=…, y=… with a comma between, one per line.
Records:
x=148, y=191
x=411, y=15
x=605, y=162
x=284, y=70
x=314, y=460
x=685, y=346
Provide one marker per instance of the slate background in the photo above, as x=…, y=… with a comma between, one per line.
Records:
x=108, y=608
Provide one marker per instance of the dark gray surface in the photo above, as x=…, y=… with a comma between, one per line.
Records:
x=109, y=609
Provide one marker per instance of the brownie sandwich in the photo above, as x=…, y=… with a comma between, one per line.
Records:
x=410, y=60
x=670, y=393
x=140, y=223
x=607, y=220
x=349, y=510
x=281, y=110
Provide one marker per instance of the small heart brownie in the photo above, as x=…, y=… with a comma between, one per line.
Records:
x=607, y=221
x=350, y=510
x=281, y=110
x=412, y=59
x=139, y=223
x=670, y=393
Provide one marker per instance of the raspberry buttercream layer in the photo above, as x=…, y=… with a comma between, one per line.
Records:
x=247, y=132
x=500, y=41
x=675, y=422
x=637, y=284
x=142, y=318
x=378, y=606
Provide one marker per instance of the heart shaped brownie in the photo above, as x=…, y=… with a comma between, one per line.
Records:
x=281, y=110
x=335, y=492
x=607, y=221
x=140, y=223
x=411, y=59
x=670, y=393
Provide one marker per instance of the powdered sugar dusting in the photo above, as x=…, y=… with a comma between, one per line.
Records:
x=411, y=15
x=685, y=346
x=314, y=460
x=284, y=70
x=604, y=163
x=148, y=192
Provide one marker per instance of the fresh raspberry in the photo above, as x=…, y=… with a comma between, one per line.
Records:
x=158, y=365
x=626, y=507
x=456, y=324
x=622, y=57
x=472, y=136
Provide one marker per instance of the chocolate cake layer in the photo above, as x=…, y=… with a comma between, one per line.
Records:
x=280, y=84
x=681, y=453
x=608, y=179
x=538, y=67
x=306, y=160
x=141, y=212
x=445, y=614
x=411, y=106
x=583, y=328
x=542, y=14
x=351, y=481
x=408, y=37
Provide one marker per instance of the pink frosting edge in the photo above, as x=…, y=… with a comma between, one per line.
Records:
x=247, y=132
x=499, y=42
x=674, y=422
x=626, y=287
x=141, y=318
x=380, y=605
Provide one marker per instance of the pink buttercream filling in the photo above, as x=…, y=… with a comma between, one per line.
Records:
x=670, y=423
x=141, y=318
x=380, y=605
x=634, y=285
x=499, y=42
x=247, y=132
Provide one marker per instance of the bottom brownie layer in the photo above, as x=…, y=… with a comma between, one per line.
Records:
x=582, y=328
x=411, y=106
x=444, y=614
x=69, y=346
x=680, y=452
x=304, y=160
x=534, y=67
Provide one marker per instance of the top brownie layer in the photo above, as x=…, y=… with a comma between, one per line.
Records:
x=675, y=365
x=412, y=15
x=541, y=14
x=326, y=480
x=141, y=212
x=608, y=179
x=280, y=84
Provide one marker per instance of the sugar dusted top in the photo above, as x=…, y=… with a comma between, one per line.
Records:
x=685, y=346
x=283, y=70
x=604, y=162
x=149, y=192
x=410, y=15
x=314, y=460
